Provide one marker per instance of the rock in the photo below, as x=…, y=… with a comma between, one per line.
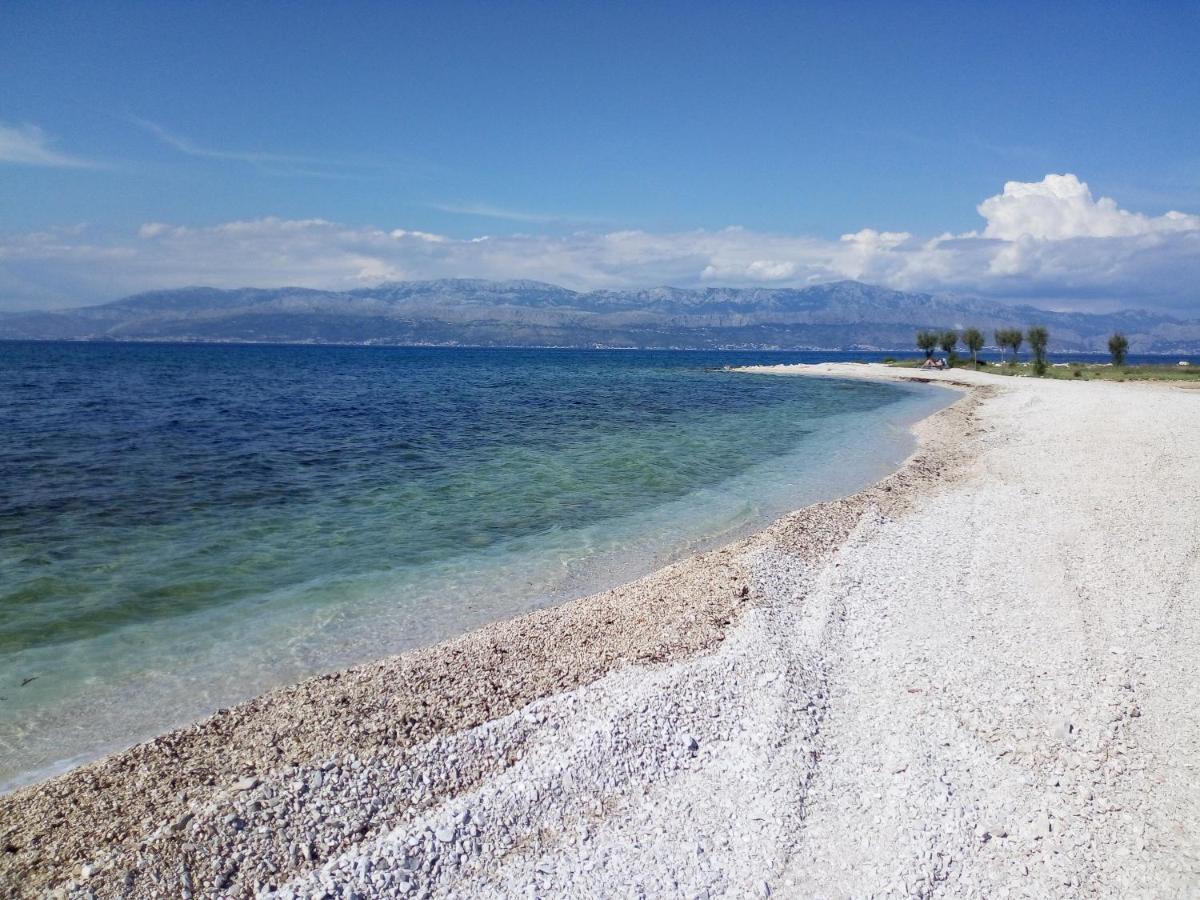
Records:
x=248, y=783
x=1039, y=827
x=690, y=743
x=445, y=834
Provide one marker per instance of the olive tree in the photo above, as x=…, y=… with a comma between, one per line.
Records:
x=1007, y=339
x=948, y=340
x=1118, y=346
x=973, y=338
x=927, y=341
x=1038, y=338
x=1015, y=339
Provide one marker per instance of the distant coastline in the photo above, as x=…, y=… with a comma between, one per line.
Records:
x=854, y=354
x=474, y=313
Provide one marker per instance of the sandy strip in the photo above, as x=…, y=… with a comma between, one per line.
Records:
x=979, y=678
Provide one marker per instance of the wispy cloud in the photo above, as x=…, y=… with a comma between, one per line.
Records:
x=267, y=162
x=28, y=145
x=487, y=211
x=947, y=142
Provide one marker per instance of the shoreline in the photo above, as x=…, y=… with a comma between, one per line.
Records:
x=97, y=720
x=182, y=783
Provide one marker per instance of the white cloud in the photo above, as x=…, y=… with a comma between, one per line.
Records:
x=418, y=235
x=1061, y=206
x=28, y=145
x=155, y=229
x=1046, y=242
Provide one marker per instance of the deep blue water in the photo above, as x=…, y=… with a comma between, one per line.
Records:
x=188, y=525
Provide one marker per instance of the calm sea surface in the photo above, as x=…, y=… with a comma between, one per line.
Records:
x=182, y=527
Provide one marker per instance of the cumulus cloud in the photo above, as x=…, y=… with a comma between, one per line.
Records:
x=1046, y=242
x=28, y=145
x=1061, y=206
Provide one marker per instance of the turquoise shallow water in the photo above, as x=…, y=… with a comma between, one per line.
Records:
x=182, y=527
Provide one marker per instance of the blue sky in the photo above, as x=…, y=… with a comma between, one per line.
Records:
x=575, y=122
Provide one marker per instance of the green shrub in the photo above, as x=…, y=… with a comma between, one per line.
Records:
x=1118, y=346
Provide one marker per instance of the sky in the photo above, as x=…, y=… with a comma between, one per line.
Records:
x=1027, y=152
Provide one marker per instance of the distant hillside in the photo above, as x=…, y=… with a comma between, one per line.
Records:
x=844, y=315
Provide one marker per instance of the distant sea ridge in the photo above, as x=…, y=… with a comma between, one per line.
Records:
x=477, y=313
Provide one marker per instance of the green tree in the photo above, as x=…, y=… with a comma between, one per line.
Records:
x=1039, y=337
x=1118, y=346
x=948, y=340
x=973, y=338
x=927, y=341
x=1015, y=339
x=1008, y=339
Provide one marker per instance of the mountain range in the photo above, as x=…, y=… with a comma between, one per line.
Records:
x=845, y=315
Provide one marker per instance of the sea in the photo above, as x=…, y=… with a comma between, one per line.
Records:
x=184, y=526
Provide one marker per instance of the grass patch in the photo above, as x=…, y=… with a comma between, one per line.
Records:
x=1080, y=371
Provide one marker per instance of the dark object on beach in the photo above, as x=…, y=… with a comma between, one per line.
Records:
x=25, y=681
